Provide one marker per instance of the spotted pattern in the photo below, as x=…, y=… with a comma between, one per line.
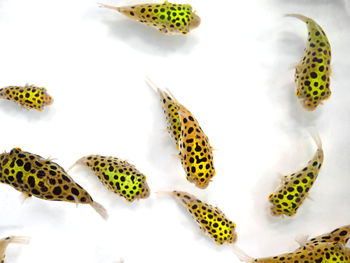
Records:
x=118, y=175
x=326, y=248
x=211, y=220
x=196, y=154
x=195, y=151
x=339, y=235
x=322, y=253
x=166, y=17
x=312, y=75
x=296, y=186
x=31, y=174
x=30, y=97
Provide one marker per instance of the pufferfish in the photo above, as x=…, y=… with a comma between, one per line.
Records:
x=10, y=240
x=296, y=186
x=31, y=174
x=29, y=96
x=313, y=71
x=327, y=248
x=210, y=219
x=196, y=154
x=166, y=17
x=118, y=175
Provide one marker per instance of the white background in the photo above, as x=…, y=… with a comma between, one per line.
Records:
x=233, y=73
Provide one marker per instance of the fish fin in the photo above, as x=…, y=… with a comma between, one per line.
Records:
x=79, y=162
x=242, y=256
x=164, y=192
x=307, y=195
x=153, y=85
x=283, y=177
x=302, y=240
x=51, y=159
x=109, y=6
x=295, y=66
x=76, y=200
x=176, y=156
x=314, y=134
x=24, y=197
x=301, y=17
x=19, y=239
x=160, y=91
x=100, y=209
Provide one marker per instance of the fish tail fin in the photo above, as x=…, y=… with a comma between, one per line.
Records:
x=301, y=17
x=242, y=256
x=109, y=7
x=165, y=192
x=100, y=209
x=315, y=135
x=18, y=239
x=153, y=85
x=79, y=162
x=162, y=93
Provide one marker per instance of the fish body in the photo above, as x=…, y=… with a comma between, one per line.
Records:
x=33, y=175
x=312, y=74
x=326, y=248
x=195, y=152
x=211, y=219
x=166, y=17
x=29, y=96
x=339, y=235
x=118, y=175
x=295, y=187
x=8, y=240
x=325, y=253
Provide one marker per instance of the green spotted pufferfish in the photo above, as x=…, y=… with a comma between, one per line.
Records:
x=326, y=248
x=118, y=175
x=29, y=96
x=33, y=175
x=166, y=17
x=210, y=219
x=312, y=74
x=295, y=187
x=195, y=151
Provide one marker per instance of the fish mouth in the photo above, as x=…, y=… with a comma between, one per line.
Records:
x=196, y=21
x=309, y=105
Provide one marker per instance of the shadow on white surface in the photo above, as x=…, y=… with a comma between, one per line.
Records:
x=149, y=40
x=40, y=211
x=16, y=111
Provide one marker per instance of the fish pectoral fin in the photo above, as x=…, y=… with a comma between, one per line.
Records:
x=307, y=195
x=282, y=177
x=25, y=196
x=302, y=240
x=295, y=66
x=51, y=159
x=76, y=200
x=177, y=156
